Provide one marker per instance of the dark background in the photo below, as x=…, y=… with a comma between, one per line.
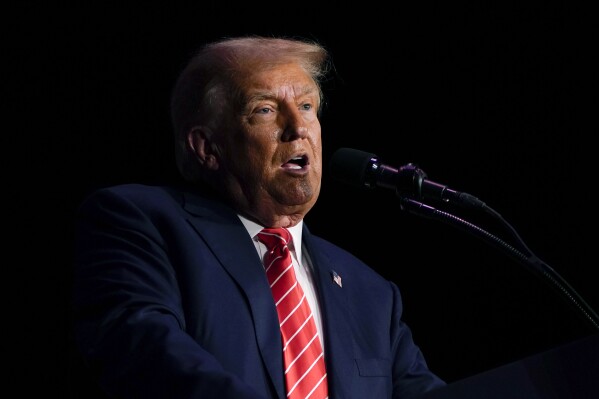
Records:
x=496, y=101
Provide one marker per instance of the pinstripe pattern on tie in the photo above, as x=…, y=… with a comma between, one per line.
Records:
x=305, y=373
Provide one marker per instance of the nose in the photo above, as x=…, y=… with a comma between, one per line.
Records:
x=295, y=127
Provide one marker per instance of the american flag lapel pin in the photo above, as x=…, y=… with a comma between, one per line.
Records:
x=336, y=278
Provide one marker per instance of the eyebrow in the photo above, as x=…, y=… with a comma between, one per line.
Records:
x=269, y=94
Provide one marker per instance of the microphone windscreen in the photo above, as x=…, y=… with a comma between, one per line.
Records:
x=350, y=166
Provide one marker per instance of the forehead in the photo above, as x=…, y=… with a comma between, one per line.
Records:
x=280, y=81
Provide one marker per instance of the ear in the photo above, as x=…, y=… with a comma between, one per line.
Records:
x=199, y=140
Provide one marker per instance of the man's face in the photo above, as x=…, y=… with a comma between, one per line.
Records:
x=272, y=154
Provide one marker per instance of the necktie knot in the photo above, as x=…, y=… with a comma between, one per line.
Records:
x=274, y=237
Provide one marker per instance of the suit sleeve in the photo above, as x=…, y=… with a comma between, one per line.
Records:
x=128, y=319
x=411, y=375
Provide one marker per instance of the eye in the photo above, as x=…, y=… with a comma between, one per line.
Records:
x=306, y=107
x=264, y=110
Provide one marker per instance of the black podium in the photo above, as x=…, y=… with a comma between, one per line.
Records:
x=567, y=372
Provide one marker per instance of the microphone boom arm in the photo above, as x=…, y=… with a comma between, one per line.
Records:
x=363, y=169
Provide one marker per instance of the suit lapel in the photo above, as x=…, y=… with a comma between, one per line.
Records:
x=339, y=344
x=219, y=226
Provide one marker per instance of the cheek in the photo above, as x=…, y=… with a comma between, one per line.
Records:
x=260, y=147
x=316, y=137
x=254, y=156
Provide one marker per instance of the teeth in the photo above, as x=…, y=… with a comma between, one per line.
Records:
x=296, y=163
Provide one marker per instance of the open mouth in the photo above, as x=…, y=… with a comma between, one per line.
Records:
x=296, y=163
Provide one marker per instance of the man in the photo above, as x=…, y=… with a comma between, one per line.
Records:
x=171, y=297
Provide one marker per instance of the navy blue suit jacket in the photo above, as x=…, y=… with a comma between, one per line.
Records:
x=171, y=301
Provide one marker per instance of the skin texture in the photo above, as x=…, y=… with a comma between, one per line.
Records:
x=250, y=156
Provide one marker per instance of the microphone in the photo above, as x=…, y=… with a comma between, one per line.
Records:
x=363, y=170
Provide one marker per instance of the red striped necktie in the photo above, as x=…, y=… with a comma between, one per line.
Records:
x=305, y=373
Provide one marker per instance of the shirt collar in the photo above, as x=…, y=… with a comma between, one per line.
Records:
x=254, y=228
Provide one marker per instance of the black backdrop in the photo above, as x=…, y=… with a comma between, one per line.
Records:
x=495, y=101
